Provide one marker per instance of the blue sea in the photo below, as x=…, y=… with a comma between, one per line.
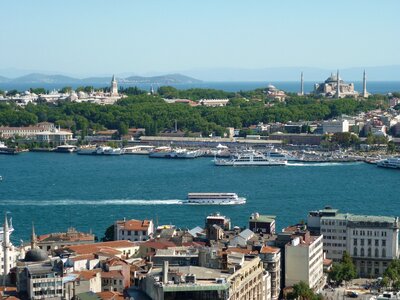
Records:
x=56, y=191
x=374, y=87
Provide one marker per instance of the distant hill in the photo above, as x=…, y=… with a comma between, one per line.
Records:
x=164, y=79
x=37, y=78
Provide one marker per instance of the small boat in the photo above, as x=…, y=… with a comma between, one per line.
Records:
x=6, y=150
x=106, y=150
x=65, y=149
x=214, y=199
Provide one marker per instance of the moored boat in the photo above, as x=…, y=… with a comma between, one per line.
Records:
x=65, y=149
x=249, y=158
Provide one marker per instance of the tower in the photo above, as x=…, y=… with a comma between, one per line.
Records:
x=365, y=93
x=114, y=87
x=337, y=85
x=301, y=85
x=6, y=249
x=33, y=237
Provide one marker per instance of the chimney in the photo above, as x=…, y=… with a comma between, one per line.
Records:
x=165, y=271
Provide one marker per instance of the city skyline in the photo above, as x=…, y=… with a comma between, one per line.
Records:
x=149, y=38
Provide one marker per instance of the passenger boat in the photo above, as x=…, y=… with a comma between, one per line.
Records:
x=214, y=199
x=162, y=152
x=139, y=150
x=106, y=150
x=390, y=162
x=278, y=155
x=249, y=158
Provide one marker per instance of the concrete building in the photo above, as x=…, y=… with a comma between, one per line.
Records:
x=335, y=126
x=262, y=223
x=372, y=241
x=245, y=281
x=133, y=230
x=304, y=261
x=271, y=258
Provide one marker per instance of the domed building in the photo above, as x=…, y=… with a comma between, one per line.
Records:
x=274, y=93
x=335, y=87
x=36, y=255
x=36, y=271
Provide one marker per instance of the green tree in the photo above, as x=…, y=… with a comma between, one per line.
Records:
x=38, y=91
x=343, y=271
x=109, y=234
x=302, y=291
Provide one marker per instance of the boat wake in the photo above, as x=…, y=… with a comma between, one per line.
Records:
x=66, y=202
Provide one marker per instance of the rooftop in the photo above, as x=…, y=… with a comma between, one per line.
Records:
x=263, y=218
x=134, y=224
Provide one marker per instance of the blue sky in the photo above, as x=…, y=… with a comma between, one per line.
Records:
x=144, y=37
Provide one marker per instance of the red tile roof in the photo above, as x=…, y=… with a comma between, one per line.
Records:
x=99, y=247
x=112, y=274
x=268, y=249
x=110, y=295
x=134, y=225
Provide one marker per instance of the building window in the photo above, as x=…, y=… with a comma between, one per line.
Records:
x=376, y=252
x=355, y=242
x=384, y=243
x=369, y=252
x=376, y=243
x=362, y=251
x=362, y=242
x=383, y=252
x=355, y=251
x=369, y=242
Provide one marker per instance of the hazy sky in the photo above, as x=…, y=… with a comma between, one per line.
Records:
x=103, y=37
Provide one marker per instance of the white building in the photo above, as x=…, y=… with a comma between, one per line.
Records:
x=56, y=136
x=214, y=102
x=133, y=230
x=335, y=126
x=372, y=241
x=304, y=261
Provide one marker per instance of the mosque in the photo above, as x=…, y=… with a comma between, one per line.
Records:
x=335, y=87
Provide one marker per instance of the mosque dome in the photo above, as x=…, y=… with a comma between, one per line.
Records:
x=36, y=255
x=332, y=78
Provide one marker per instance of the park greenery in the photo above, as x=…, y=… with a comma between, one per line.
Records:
x=151, y=112
x=303, y=292
x=343, y=271
x=391, y=276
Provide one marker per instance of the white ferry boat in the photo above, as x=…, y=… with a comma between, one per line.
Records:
x=106, y=150
x=277, y=155
x=139, y=150
x=390, y=162
x=162, y=152
x=249, y=158
x=214, y=199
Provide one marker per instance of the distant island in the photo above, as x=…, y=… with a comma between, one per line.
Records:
x=38, y=78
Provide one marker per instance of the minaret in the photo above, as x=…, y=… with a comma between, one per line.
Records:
x=365, y=93
x=33, y=237
x=6, y=249
x=301, y=85
x=337, y=85
x=114, y=87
